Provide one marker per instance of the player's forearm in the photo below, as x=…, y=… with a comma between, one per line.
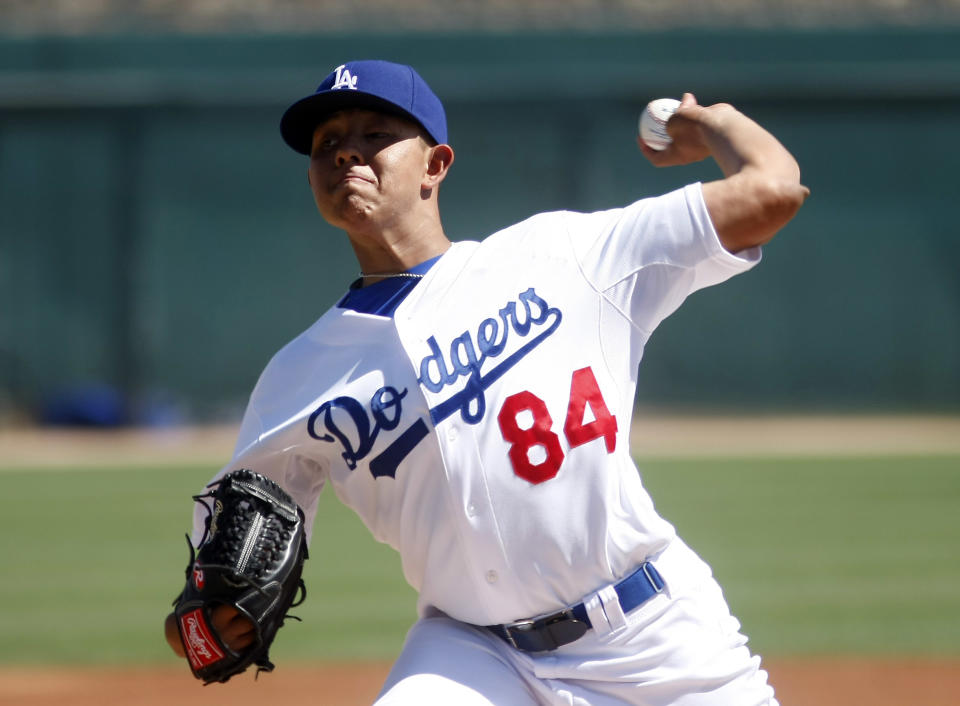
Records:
x=737, y=143
x=761, y=190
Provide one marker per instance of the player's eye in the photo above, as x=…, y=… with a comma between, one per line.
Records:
x=324, y=144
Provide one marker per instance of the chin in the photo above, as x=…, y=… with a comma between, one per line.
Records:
x=347, y=212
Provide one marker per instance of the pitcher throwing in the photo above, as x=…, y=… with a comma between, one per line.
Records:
x=471, y=401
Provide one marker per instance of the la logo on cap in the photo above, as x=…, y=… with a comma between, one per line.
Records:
x=344, y=79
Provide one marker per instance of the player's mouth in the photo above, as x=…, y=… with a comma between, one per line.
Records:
x=352, y=177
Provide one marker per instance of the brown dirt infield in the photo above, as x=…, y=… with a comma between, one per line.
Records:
x=798, y=682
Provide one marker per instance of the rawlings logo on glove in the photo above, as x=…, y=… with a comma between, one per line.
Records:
x=251, y=557
x=201, y=649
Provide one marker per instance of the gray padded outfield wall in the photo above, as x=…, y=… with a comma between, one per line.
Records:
x=158, y=240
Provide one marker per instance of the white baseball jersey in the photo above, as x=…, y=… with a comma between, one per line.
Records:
x=482, y=431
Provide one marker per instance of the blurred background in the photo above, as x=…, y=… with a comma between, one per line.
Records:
x=158, y=241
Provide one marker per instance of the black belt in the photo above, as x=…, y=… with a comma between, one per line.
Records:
x=563, y=627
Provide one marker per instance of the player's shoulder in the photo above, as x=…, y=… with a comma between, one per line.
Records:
x=579, y=221
x=650, y=218
x=547, y=226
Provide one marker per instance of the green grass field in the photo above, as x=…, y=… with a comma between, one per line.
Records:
x=817, y=556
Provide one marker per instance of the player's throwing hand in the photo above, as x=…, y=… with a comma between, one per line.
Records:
x=761, y=189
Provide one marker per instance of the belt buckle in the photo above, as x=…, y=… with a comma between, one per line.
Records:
x=521, y=625
x=550, y=631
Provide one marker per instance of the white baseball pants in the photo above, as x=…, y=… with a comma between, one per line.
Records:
x=680, y=648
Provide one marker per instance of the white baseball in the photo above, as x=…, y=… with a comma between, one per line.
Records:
x=653, y=122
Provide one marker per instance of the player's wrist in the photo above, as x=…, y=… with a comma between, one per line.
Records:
x=172, y=635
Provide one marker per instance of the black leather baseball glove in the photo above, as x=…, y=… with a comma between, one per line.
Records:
x=251, y=557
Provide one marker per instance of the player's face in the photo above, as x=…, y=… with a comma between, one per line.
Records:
x=367, y=169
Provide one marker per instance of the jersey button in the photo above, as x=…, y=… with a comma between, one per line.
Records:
x=452, y=434
x=471, y=510
x=492, y=576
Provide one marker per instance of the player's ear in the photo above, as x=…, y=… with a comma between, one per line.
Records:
x=439, y=159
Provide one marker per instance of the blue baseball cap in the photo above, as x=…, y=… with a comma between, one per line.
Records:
x=375, y=85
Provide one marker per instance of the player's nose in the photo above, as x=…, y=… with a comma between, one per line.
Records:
x=348, y=152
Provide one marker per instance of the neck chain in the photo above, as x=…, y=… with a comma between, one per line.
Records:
x=387, y=275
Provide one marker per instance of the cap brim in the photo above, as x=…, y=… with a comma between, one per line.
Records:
x=301, y=119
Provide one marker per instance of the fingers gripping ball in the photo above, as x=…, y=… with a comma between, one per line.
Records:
x=653, y=122
x=251, y=558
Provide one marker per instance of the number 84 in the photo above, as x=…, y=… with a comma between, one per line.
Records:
x=583, y=391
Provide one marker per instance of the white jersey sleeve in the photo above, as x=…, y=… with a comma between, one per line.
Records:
x=648, y=257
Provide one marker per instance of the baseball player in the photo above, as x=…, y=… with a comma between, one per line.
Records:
x=472, y=402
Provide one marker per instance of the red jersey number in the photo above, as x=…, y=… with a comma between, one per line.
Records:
x=537, y=435
x=584, y=391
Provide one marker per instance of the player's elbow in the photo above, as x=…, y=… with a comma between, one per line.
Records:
x=772, y=203
x=778, y=201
